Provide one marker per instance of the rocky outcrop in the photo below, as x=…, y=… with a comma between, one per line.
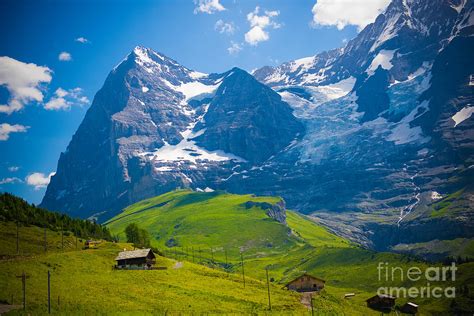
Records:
x=277, y=211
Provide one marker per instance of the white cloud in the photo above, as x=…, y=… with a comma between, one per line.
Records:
x=340, y=13
x=82, y=40
x=208, y=6
x=6, y=129
x=13, y=168
x=64, y=56
x=39, y=180
x=234, y=48
x=23, y=82
x=224, y=27
x=259, y=25
x=63, y=100
x=10, y=180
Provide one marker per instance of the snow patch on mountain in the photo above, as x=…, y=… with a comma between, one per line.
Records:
x=462, y=115
x=389, y=32
x=404, y=133
x=187, y=150
x=303, y=108
x=460, y=6
x=383, y=59
x=302, y=64
x=436, y=196
x=197, y=75
x=194, y=89
x=336, y=90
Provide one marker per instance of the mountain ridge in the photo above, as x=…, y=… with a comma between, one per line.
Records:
x=375, y=148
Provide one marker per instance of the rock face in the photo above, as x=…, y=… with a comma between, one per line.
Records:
x=374, y=140
x=243, y=125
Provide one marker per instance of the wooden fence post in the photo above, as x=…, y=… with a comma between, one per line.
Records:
x=23, y=283
x=268, y=287
x=49, y=292
x=243, y=271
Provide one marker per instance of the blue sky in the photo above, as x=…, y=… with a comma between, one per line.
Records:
x=198, y=34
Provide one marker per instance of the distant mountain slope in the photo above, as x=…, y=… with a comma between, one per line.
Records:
x=223, y=221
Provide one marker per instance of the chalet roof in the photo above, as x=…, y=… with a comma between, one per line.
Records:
x=305, y=274
x=139, y=253
x=412, y=304
x=382, y=296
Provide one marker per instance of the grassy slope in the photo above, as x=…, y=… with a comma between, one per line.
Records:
x=86, y=284
x=218, y=221
x=32, y=240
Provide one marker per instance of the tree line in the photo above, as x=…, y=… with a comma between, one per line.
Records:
x=15, y=209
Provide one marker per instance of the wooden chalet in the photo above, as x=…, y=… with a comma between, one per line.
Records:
x=409, y=308
x=306, y=283
x=141, y=259
x=381, y=302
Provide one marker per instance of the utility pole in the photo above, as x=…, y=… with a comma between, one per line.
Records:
x=268, y=287
x=45, y=240
x=225, y=251
x=212, y=254
x=243, y=271
x=312, y=308
x=49, y=292
x=17, y=237
x=23, y=283
x=192, y=249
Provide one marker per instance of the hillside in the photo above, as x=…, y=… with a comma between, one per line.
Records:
x=219, y=220
x=205, y=227
x=86, y=284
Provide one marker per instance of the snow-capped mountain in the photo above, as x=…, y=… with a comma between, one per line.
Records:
x=367, y=138
x=156, y=125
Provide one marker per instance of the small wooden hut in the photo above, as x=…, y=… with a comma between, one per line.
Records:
x=91, y=244
x=409, y=308
x=306, y=283
x=141, y=259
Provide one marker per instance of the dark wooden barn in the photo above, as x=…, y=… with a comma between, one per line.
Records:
x=381, y=302
x=141, y=259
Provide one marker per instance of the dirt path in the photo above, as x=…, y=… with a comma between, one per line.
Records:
x=306, y=298
x=6, y=308
x=178, y=265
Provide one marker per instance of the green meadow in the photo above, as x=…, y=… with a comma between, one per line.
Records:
x=216, y=228
x=204, y=238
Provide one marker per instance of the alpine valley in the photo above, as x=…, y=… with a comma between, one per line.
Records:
x=373, y=140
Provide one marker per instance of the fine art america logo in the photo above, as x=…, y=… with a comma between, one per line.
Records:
x=423, y=279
